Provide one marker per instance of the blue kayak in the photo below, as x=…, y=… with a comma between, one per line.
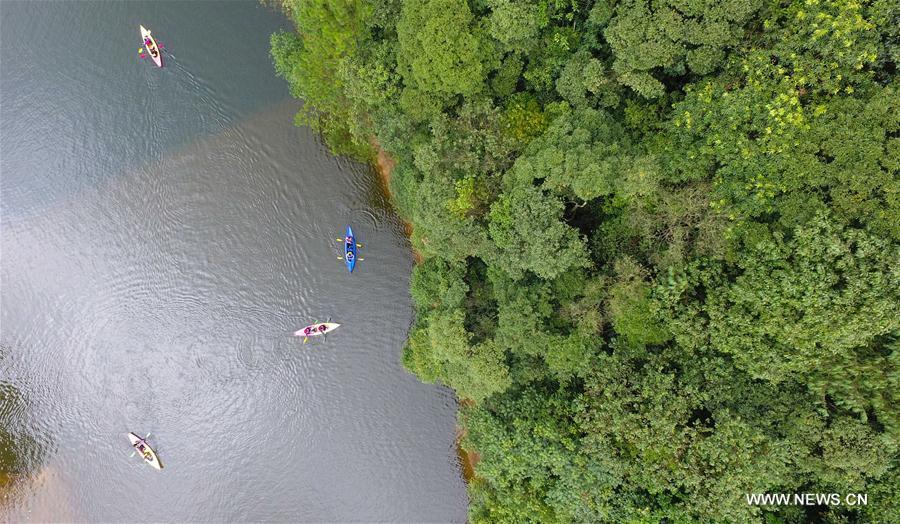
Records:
x=350, y=250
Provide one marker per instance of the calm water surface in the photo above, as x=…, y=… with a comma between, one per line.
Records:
x=163, y=232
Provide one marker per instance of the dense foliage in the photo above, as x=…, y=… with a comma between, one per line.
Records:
x=661, y=240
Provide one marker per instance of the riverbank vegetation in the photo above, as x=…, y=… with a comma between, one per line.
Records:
x=661, y=240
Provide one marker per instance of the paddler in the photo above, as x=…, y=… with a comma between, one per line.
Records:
x=150, y=47
x=142, y=449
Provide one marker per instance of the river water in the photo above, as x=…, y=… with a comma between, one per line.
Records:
x=163, y=233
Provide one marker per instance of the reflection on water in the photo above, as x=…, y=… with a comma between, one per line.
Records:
x=164, y=304
x=163, y=233
x=23, y=446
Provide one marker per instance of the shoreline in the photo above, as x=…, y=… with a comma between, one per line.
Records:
x=384, y=165
x=467, y=459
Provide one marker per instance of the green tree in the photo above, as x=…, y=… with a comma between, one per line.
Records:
x=527, y=229
x=440, y=52
x=328, y=32
x=515, y=24
x=527, y=446
x=631, y=309
x=651, y=38
x=582, y=152
x=441, y=351
x=660, y=241
x=817, y=306
x=585, y=81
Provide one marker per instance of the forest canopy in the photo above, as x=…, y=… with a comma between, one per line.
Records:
x=660, y=240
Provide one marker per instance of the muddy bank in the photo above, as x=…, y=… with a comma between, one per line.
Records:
x=468, y=459
x=384, y=165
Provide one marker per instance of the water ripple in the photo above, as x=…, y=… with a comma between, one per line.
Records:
x=159, y=248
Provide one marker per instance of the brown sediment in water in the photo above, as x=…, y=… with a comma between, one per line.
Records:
x=6, y=481
x=39, y=497
x=384, y=164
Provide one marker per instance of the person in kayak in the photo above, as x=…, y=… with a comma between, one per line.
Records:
x=349, y=256
x=150, y=47
x=322, y=328
x=307, y=330
x=142, y=449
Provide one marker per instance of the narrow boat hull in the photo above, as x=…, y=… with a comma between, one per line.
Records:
x=314, y=329
x=148, y=455
x=153, y=48
x=350, y=250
